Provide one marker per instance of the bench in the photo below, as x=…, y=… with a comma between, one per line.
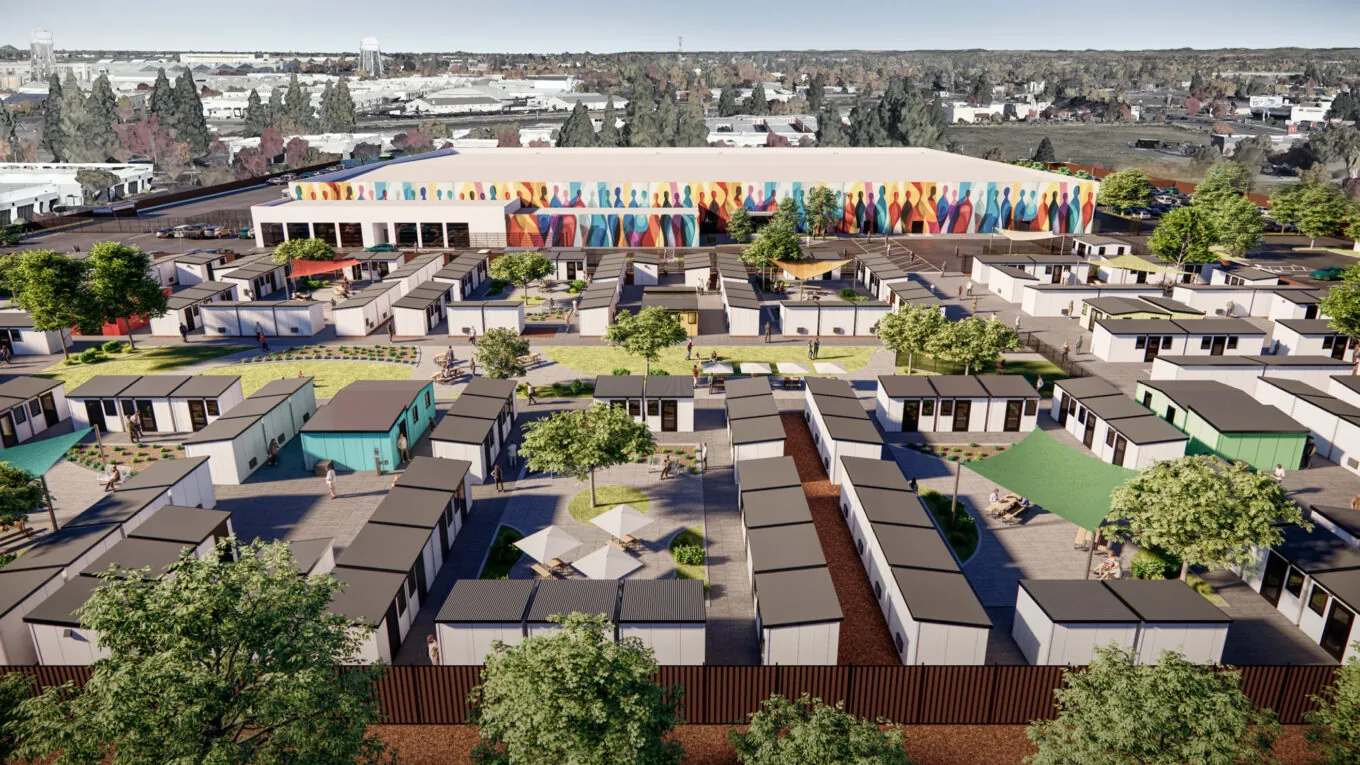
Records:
x=543, y=571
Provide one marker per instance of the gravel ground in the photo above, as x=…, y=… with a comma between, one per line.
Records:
x=864, y=635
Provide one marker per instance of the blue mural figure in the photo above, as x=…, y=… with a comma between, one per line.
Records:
x=799, y=208
x=545, y=219
x=439, y=194
x=493, y=191
x=298, y=190
x=1055, y=214
x=612, y=220
x=423, y=192
x=750, y=203
x=839, y=207
x=688, y=225
x=555, y=200
x=632, y=198
x=639, y=228
x=688, y=203
x=859, y=212
x=598, y=236
x=881, y=224
x=991, y=215
x=1004, y=221
x=942, y=210
x=1074, y=213
x=618, y=197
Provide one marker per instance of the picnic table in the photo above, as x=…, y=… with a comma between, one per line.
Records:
x=531, y=359
x=793, y=383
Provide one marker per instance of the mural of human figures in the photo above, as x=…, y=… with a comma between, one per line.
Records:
x=610, y=212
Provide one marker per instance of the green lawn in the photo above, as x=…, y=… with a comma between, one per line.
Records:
x=503, y=554
x=330, y=376
x=603, y=360
x=608, y=498
x=691, y=536
x=148, y=362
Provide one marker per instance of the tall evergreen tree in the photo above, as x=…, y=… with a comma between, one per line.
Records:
x=1044, y=151
x=297, y=109
x=276, y=108
x=830, y=131
x=9, y=130
x=816, y=93
x=327, y=103
x=343, y=117
x=667, y=115
x=866, y=127
x=577, y=131
x=757, y=103
x=102, y=112
x=727, y=102
x=691, y=129
x=80, y=144
x=191, y=126
x=642, y=128
x=609, y=130
x=257, y=115
x=53, y=139
x=161, y=103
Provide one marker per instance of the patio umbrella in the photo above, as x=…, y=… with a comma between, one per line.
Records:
x=547, y=544
x=608, y=562
x=621, y=521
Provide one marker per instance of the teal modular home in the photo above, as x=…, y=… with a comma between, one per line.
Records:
x=1224, y=421
x=359, y=428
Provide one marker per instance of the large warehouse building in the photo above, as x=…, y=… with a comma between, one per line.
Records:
x=662, y=197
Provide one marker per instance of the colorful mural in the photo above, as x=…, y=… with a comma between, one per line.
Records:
x=546, y=227
x=1064, y=206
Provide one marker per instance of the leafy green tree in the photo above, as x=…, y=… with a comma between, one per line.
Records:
x=121, y=285
x=1286, y=203
x=233, y=659
x=1341, y=303
x=499, y=351
x=101, y=110
x=75, y=125
x=191, y=126
x=1044, y=151
x=297, y=109
x=20, y=495
x=646, y=333
x=1125, y=189
x=739, y=226
x=867, y=128
x=15, y=688
x=578, y=442
x=810, y=732
x=1203, y=511
x=9, y=132
x=691, y=129
x=727, y=102
x=1174, y=711
x=1323, y=209
x=830, y=131
x=1184, y=236
x=757, y=103
x=778, y=241
x=53, y=139
x=1334, y=726
x=609, y=129
x=972, y=342
x=1223, y=179
x=433, y=129
x=578, y=130
x=1238, y=222
x=575, y=695
x=910, y=330
x=54, y=291
x=257, y=115
x=819, y=211
x=303, y=249
x=521, y=268
x=94, y=182
x=338, y=112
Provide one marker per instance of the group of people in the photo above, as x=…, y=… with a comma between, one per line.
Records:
x=133, y=427
x=814, y=348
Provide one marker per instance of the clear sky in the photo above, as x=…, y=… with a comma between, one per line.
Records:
x=614, y=25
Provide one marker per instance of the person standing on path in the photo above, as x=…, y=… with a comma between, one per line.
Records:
x=273, y=460
x=767, y=330
x=968, y=288
x=184, y=332
x=472, y=366
x=392, y=332
x=259, y=335
x=330, y=480
x=817, y=348
x=1039, y=385
x=666, y=468
x=432, y=649
x=512, y=451
x=1066, y=349
x=703, y=456
x=689, y=349
x=1079, y=345
x=498, y=478
x=695, y=371
x=403, y=448
x=960, y=292
x=530, y=391
x=809, y=350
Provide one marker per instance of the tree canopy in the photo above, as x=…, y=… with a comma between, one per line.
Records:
x=1184, y=236
x=819, y=211
x=972, y=342
x=578, y=442
x=578, y=130
x=1171, y=712
x=575, y=695
x=608, y=134
x=739, y=226
x=54, y=290
x=337, y=108
x=303, y=249
x=121, y=285
x=1237, y=220
x=20, y=495
x=810, y=732
x=1126, y=188
x=646, y=333
x=521, y=268
x=498, y=353
x=257, y=115
x=910, y=329
x=233, y=658
x=1334, y=726
x=1225, y=178
x=1044, y=151
x=1203, y=511
x=1341, y=304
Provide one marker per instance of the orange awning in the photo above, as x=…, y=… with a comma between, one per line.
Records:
x=810, y=269
x=303, y=268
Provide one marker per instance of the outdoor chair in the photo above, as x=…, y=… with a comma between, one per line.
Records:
x=718, y=385
x=1003, y=506
x=543, y=571
x=1013, y=517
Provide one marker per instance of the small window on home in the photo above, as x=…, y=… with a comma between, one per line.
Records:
x=947, y=408
x=253, y=463
x=128, y=406
x=1031, y=407
x=1081, y=415
x=1294, y=584
x=429, y=398
x=635, y=407
x=110, y=408
x=294, y=330
x=653, y=408
x=1352, y=463
x=878, y=590
x=411, y=583
x=1048, y=269
x=897, y=641
x=1109, y=436
x=1147, y=399
x=401, y=603
x=34, y=407
x=1232, y=342
x=280, y=439
x=1205, y=342
x=210, y=405
x=928, y=407
x=1328, y=342
x=1140, y=343
x=415, y=412
x=20, y=416
x=1166, y=341
x=845, y=510
x=859, y=545
x=1317, y=600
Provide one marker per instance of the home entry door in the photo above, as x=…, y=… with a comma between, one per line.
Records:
x=1012, y=423
x=670, y=415
x=49, y=407
x=95, y=414
x=1089, y=437
x=1121, y=444
x=1220, y=343
x=1154, y=345
x=1062, y=408
x=571, y=270
x=146, y=414
x=1058, y=273
x=1272, y=582
x=911, y=416
x=962, y=409
x=7, y=435
x=1337, y=630
x=198, y=415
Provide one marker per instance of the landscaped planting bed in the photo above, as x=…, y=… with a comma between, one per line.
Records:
x=137, y=456
x=684, y=458
x=396, y=354
x=960, y=452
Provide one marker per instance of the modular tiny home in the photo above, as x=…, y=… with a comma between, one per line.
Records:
x=474, y=317
x=1173, y=617
x=559, y=597
x=668, y=616
x=69, y=549
x=411, y=550
x=17, y=334
x=54, y=626
x=275, y=318
x=366, y=310
x=20, y=593
x=194, y=527
x=478, y=614
x=1309, y=337
x=664, y=403
x=1243, y=371
x=1226, y=422
x=238, y=442
x=1333, y=423
x=28, y=407
x=359, y=428
x=1060, y=622
x=183, y=308
x=421, y=310
x=383, y=600
x=798, y=617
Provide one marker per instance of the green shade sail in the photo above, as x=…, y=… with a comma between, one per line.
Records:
x=1058, y=478
x=38, y=457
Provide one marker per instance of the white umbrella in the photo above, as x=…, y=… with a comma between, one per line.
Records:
x=547, y=544
x=717, y=368
x=754, y=368
x=608, y=562
x=621, y=521
x=790, y=368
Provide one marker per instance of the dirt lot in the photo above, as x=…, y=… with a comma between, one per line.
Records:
x=1084, y=144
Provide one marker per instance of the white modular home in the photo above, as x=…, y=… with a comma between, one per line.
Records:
x=29, y=406
x=68, y=550
x=1308, y=337
x=1042, y=299
x=412, y=550
x=569, y=265
x=126, y=508
x=773, y=508
x=1232, y=300
x=914, y=292
x=1242, y=371
x=374, y=266
x=840, y=425
x=193, y=268
x=877, y=274
x=55, y=630
x=1116, y=428
x=477, y=426
x=698, y=268
x=595, y=309
x=1173, y=617
x=665, y=403
x=1330, y=616
x=275, y=318
x=831, y=317
x=1294, y=304
x=1237, y=276
x=646, y=269
x=312, y=556
x=187, y=482
x=768, y=473
x=1345, y=387
x=184, y=307
x=559, y=597
x=668, y=616
x=935, y=617
x=1060, y=622
x=159, y=403
x=194, y=527
x=1009, y=282
x=1284, y=575
x=909, y=403
x=1102, y=246
x=416, y=271
x=255, y=278
x=202, y=399
x=783, y=548
x=421, y=310
x=366, y=310
x=238, y=442
x=470, y=317
x=478, y=614
x=431, y=493
x=20, y=593
x=17, y=332
x=1142, y=340
x=384, y=600
x=741, y=305
x=798, y=617
x=755, y=439
x=466, y=272
x=1333, y=423
x=875, y=492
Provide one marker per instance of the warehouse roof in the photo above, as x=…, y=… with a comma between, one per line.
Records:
x=103, y=386
x=418, y=508
x=189, y=525
x=383, y=547
x=132, y=554
x=1166, y=600
x=914, y=546
x=1225, y=408
x=1077, y=601
x=487, y=601
x=944, y=597
x=461, y=430
x=366, y=595
x=741, y=387
x=774, y=507
x=802, y=596
x=662, y=601
x=366, y=406
x=825, y=386
x=117, y=507
x=769, y=473
x=60, y=607
x=1148, y=429
x=202, y=386
x=17, y=586
x=780, y=548
x=906, y=386
x=857, y=430
x=881, y=474
x=434, y=473
x=564, y=596
x=751, y=406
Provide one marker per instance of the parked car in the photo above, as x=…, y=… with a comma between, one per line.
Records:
x=217, y=232
x=165, y=233
x=245, y=233
x=1139, y=213
x=1327, y=273
x=186, y=232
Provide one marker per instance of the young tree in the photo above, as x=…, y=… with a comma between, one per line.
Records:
x=101, y=110
x=1205, y=512
x=1125, y=189
x=521, y=268
x=1334, y=726
x=1287, y=203
x=233, y=658
x=161, y=102
x=819, y=211
x=578, y=442
x=78, y=145
x=1323, y=211
x=910, y=330
x=810, y=732
x=575, y=695
x=1183, y=237
x=337, y=109
x=53, y=139
x=20, y=495
x=277, y=111
x=121, y=285
x=609, y=129
x=578, y=130
x=1116, y=711
x=191, y=126
x=778, y=240
x=1237, y=220
x=727, y=102
x=1341, y=304
x=1044, y=151
x=646, y=333
x=757, y=103
x=739, y=226
x=303, y=249
x=257, y=116
x=972, y=342
x=53, y=290
x=298, y=116
x=499, y=351
x=93, y=183
x=830, y=129
x=1223, y=179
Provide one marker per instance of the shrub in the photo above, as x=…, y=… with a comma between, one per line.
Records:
x=89, y=356
x=660, y=372
x=689, y=555
x=848, y=293
x=620, y=371
x=1154, y=564
x=575, y=387
x=1147, y=568
x=112, y=346
x=576, y=286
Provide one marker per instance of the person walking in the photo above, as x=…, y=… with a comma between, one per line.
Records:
x=403, y=448
x=259, y=335
x=767, y=330
x=273, y=460
x=530, y=394
x=432, y=649
x=472, y=366
x=472, y=337
x=968, y=288
x=809, y=350
x=512, y=451
x=1039, y=384
x=498, y=478
x=695, y=372
x=184, y=332
x=960, y=292
x=666, y=468
x=330, y=480
x=703, y=456
x=1079, y=340
x=1066, y=350
x=689, y=349
x=392, y=332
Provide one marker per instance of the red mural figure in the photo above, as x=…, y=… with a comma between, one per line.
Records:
x=1088, y=210
x=568, y=230
x=894, y=212
x=1041, y=217
x=653, y=236
x=964, y=216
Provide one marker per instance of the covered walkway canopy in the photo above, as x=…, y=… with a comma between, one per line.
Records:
x=1058, y=478
x=38, y=457
x=1135, y=263
x=303, y=268
x=810, y=269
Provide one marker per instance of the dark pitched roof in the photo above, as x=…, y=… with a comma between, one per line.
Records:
x=1141, y=327
x=222, y=430
x=1166, y=600
x=803, y=596
x=1345, y=585
x=17, y=586
x=834, y=406
x=189, y=525
x=461, y=430
x=366, y=406
x=103, y=386
x=163, y=473
x=60, y=607
x=155, y=386
x=747, y=386
x=1149, y=429
x=1344, y=518
x=255, y=406
x=563, y=596
x=117, y=507
x=61, y=547
x=307, y=552
x=1316, y=550
x=1114, y=407
x=487, y=601
x=366, y=595
x=668, y=601
x=769, y=473
x=751, y=406
x=906, y=386
x=1084, y=387
x=131, y=553
x=490, y=388
x=670, y=386
x=756, y=429
x=204, y=386
x=284, y=387
x=419, y=508
x=27, y=387
x=434, y=473
x=914, y=546
x=477, y=407
x=1218, y=326
x=1077, y=601
x=774, y=507
x=940, y=596
x=958, y=386
x=889, y=506
x=1008, y=386
x=861, y=431
x=825, y=386
x=672, y=299
x=618, y=386
x=880, y=474
x=1225, y=408
x=780, y=548
x=383, y=547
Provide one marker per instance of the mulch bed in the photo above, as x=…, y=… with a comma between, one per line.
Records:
x=864, y=635
x=531, y=330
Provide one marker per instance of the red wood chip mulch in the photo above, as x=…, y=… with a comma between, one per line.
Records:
x=864, y=633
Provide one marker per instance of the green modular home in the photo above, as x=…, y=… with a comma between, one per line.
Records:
x=1142, y=307
x=360, y=426
x=1226, y=422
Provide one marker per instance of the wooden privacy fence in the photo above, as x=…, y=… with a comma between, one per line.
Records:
x=722, y=695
